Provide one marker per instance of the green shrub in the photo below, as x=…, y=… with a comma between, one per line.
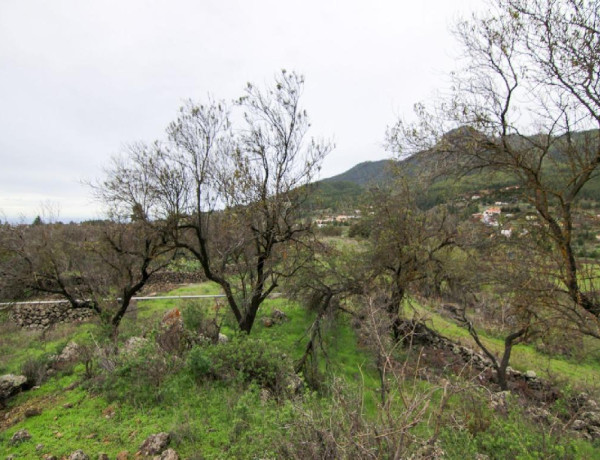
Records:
x=196, y=320
x=330, y=230
x=199, y=363
x=507, y=437
x=138, y=375
x=252, y=360
x=360, y=229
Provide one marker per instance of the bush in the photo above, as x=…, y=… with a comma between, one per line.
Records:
x=36, y=370
x=330, y=230
x=138, y=375
x=199, y=363
x=360, y=229
x=252, y=360
x=197, y=321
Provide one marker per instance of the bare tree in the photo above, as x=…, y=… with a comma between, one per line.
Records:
x=407, y=246
x=527, y=103
x=236, y=201
x=94, y=266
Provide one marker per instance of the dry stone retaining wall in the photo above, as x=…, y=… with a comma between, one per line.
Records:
x=42, y=316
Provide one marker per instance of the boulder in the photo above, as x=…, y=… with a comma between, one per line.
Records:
x=172, y=318
x=155, y=444
x=32, y=412
x=10, y=385
x=69, y=354
x=79, y=455
x=223, y=338
x=279, y=316
x=578, y=425
x=530, y=375
x=168, y=454
x=19, y=437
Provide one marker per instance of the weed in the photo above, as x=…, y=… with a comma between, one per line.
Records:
x=36, y=370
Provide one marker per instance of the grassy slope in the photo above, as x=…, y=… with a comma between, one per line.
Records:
x=523, y=357
x=213, y=419
x=219, y=420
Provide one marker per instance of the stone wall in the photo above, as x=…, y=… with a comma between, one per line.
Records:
x=166, y=277
x=42, y=316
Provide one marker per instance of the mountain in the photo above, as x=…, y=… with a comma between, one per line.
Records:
x=365, y=173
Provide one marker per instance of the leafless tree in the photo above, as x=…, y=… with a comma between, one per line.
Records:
x=231, y=195
x=526, y=103
x=94, y=266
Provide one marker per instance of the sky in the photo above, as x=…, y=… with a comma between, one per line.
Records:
x=79, y=79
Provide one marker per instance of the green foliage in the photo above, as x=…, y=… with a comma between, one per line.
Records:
x=138, y=375
x=251, y=360
x=199, y=363
x=334, y=196
x=185, y=265
x=509, y=436
x=193, y=316
x=360, y=229
x=330, y=230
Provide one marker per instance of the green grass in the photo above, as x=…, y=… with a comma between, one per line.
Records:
x=230, y=419
x=523, y=357
x=221, y=420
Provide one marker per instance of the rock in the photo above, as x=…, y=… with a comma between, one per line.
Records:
x=428, y=451
x=594, y=432
x=530, y=375
x=223, y=338
x=32, y=412
x=49, y=457
x=172, y=318
x=39, y=447
x=79, y=455
x=10, y=385
x=278, y=315
x=591, y=418
x=124, y=455
x=155, y=444
x=19, y=437
x=591, y=405
x=541, y=415
x=69, y=354
x=265, y=395
x=267, y=322
x=499, y=401
x=102, y=456
x=168, y=454
x=515, y=373
x=133, y=345
x=578, y=425
x=109, y=412
x=295, y=384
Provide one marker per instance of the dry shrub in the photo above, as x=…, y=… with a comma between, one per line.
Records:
x=36, y=370
x=345, y=430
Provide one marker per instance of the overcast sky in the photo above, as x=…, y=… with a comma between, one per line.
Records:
x=81, y=78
